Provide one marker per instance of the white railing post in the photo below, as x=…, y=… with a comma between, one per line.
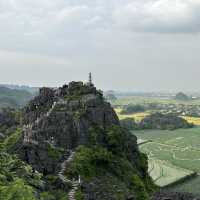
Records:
x=79, y=179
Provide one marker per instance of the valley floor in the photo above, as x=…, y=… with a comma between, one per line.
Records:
x=173, y=156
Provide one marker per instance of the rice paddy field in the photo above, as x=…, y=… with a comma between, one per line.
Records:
x=137, y=116
x=173, y=156
x=163, y=173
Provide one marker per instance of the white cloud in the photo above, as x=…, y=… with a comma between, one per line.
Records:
x=159, y=16
x=103, y=36
x=72, y=13
x=60, y=26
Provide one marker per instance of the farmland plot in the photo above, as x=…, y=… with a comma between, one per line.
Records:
x=137, y=116
x=164, y=173
x=180, y=147
x=173, y=155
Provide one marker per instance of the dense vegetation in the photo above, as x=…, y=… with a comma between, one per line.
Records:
x=104, y=157
x=164, y=121
x=9, y=121
x=129, y=123
x=130, y=109
x=18, y=180
x=109, y=157
x=156, y=121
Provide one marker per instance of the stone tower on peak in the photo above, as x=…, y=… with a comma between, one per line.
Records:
x=90, y=79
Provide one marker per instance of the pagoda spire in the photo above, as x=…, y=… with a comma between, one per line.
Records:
x=90, y=79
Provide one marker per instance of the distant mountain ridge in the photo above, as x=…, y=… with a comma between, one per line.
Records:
x=14, y=98
x=182, y=96
x=32, y=90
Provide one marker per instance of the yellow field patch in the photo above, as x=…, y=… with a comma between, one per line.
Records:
x=137, y=116
x=194, y=120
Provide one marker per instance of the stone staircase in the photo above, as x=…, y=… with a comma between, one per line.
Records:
x=28, y=132
x=71, y=195
x=28, y=129
x=51, y=109
x=74, y=183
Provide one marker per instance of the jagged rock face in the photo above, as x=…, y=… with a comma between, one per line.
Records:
x=77, y=107
x=68, y=124
x=100, y=188
x=39, y=105
x=173, y=196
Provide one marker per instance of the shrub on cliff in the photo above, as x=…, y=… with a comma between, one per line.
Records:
x=129, y=123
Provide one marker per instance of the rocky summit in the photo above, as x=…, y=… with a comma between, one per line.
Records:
x=61, y=119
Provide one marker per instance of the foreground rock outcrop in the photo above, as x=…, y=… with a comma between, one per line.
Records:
x=106, y=163
x=173, y=196
x=72, y=136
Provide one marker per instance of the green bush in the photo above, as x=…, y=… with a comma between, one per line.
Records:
x=96, y=135
x=130, y=109
x=53, y=152
x=11, y=140
x=79, y=195
x=89, y=162
x=47, y=196
x=139, y=188
x=116, y=138
x=16, y=190
x=17, y=177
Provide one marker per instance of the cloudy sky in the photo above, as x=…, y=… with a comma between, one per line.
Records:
x=138, y=45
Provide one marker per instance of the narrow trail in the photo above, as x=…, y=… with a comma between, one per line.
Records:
x=75, y=184
x=28, y=133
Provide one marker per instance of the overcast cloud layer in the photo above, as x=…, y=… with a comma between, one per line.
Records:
x=143, y=45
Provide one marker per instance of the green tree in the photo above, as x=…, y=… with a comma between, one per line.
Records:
x=16, y=190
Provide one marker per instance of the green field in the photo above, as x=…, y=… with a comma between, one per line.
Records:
x=190, y=185
x=172, y=155
x=138, y=116
x=146, y=100
x=180, y=147
x=163, y=173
